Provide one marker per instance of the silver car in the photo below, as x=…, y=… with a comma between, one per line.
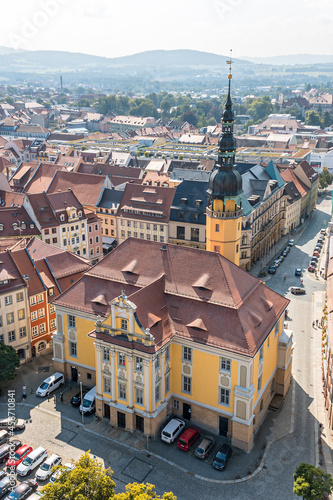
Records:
x=205, y=445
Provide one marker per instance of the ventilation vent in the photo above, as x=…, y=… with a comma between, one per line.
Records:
x=202, y=282
x=267, y=303
x=100, y=299
x=131, y=267
x=255, y=319
x=152, y=320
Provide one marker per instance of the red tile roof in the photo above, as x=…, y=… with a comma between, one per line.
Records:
x=233, y=310
x=87, y=188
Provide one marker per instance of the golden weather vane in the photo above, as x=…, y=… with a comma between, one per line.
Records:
x=230, y=62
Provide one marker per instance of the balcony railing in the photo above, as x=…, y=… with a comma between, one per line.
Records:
x=224, y=215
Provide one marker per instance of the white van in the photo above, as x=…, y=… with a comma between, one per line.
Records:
x=88, y=404
x=31, y=461
x=50, y=384
x=172, y=430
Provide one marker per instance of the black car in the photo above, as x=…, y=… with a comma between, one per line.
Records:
x=23, y=490
x=2, y=474
x=298, y=271
x=222, y=457
x=14, y=444
x=271, y=270
x=5, y=484
x=76, y=400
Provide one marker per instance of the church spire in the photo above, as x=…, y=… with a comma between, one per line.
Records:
x=227, y=143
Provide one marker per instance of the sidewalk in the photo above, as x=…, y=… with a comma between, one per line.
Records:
x=323, y=451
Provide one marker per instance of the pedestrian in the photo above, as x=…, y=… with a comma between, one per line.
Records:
x=55, y=399
x=316, y=322
x=61, y=397
x=48, y=396
x=313, y=324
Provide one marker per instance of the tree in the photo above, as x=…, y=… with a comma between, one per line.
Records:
x=87, y=481
x=325, y=179
x=9, y=360
x=311, y=482
x=142, y=492
x=90, y=481
x=313, y=118
x=190, y=117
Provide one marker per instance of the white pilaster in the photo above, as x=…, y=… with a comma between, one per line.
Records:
x=130, y=381
x=147, y=385
x=113, y=376
x=162, y=387
x=98, y=367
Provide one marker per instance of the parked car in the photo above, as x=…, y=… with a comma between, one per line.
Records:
x=311, y=268
x=287, y=249
x=50, y=384
x=189, y=436
x=297, y=290
x=281, y=258
x=17, y=424
x=284, y=253
x=222, y=457
x=291, y=242
x=204, y=447
x=76, y=400
x=60, y=471
x=298, y=271
x=88, y=404
x=4, y=436
x=323, y=231
x=172, y=430
x=316, y=253
x=31, y=461
x=18, y=457
x=5, y=484
x=45, y=470
x=23, y=490
x=5, y=449
x=271, y=270
x=2, y=474
x=277, y=263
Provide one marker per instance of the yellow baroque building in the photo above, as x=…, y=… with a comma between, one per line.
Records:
x=167, y=330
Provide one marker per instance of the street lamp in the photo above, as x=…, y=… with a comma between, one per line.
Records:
x=81, y=401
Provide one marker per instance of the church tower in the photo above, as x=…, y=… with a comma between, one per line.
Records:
x=224, y=211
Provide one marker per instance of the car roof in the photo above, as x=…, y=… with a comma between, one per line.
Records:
x=51, y=458
x=23, y=448
x=225, y=447
x=21, y=487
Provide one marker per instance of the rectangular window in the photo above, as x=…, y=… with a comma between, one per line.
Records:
x=161, y=229
x=23, y=331
x=194, y=234
x=181, y=215
x=124, y=324
x=224, y=396
x=90, y=229
x=157, y=393
x=63, y=229
x=175, y=404
x=65, y=242
x=148, y=236
x=107, y=384
x=71, y=321
x=52, y=309
x=187, y=382
x=96, y=227
x=73, y=241
x=21, y=314
x=121, y=359
x=33, y=300
x=53, y=324
x=106, y=354
x=72, y=349
x=123, y=234
x=83, y=237
x=162, y=239
x=180, y=233
x=41, y=312
x=33, y=315
x=148, y=227
x=97, y=239
x=129, y=234
x=187, y=353
x=0, y=320
x=19, y=297
x=155, y=237
x=42, y=328
x=157, y=361
x=10, y=318
x=142, y=226
x=217, y=248
x=217, y=228
x=2, y=339
x=54, y=240
x=40, y=297
x=122, y=390
x=139, y=396
x=34, y=331
x=142, y=236
x=54, y=230
x=8, y=300
x=261, y=354
x=47, y=240
x=167, y=383
x=167, y=353
x=11, y=336
x=259, y=383
x=226, y=364
x=78, y=239
x=138, y=364
x=122, y=222
x=154, y=227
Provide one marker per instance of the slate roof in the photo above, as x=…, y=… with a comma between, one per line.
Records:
x=190, y=192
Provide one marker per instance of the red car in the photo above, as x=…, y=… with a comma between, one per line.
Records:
x=19, y=455
x=311, y=269
x=315, y=253
x=189, y=436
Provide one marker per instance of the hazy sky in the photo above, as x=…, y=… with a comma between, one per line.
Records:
x=109, y=28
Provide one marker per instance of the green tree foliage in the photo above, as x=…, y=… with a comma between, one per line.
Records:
x=8, y=362
x=313, y=118
x=90, y=481
x=87, y=481
x=260, y=107
x=325, y=179
x=190, y=117
x=311, y=482
x=143, y=492
x=83, y=103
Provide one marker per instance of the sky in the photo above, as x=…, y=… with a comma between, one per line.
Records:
x=112, y=29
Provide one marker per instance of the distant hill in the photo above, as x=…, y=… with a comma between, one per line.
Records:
x=48, y=60
x=6, y=50
x=296, y=59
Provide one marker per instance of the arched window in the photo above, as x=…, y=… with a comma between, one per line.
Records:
x=41, y=346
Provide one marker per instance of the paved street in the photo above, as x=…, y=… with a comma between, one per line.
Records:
x=291, y=433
